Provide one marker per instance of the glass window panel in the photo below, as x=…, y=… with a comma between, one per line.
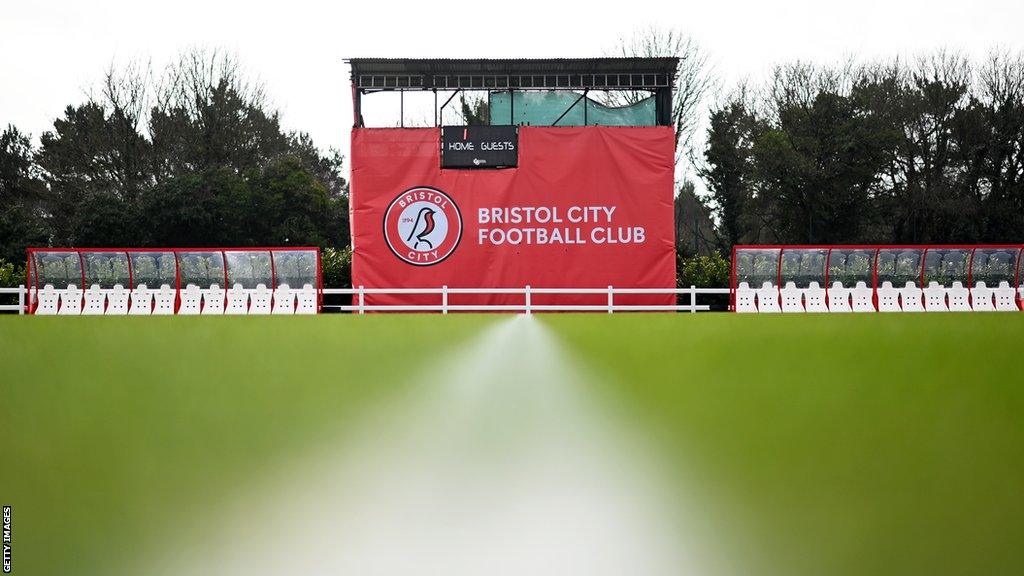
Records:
x=899, y=266
x=202, y=268
x=106, y=269
x=851, y=265
x=803, y=266
x=296, y=268
x=58, y=268
x=994, y=265
x=249, y=268
x=946, y=265
x=755, y=266
x=154, y=269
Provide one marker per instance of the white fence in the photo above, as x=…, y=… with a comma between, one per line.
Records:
x=444, y=293
x=18, y=308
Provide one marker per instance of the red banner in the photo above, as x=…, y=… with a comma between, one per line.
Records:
x=587, y=207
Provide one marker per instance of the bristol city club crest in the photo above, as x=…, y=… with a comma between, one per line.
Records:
x=423, y=226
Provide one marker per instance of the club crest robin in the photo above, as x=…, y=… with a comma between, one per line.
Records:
x=423, y=226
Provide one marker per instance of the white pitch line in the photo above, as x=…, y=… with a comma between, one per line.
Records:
x=498, y=466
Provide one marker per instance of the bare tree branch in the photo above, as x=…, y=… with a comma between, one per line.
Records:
x=694, y=80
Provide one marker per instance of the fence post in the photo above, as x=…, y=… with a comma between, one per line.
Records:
x=362, y=300
x=611, y=299
x=21, y=299
x=693, y=299
x=444, y=299
x=528, y=308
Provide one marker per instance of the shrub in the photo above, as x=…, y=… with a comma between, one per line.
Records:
x=336, y=266
x=704, y=272
x=11, y=276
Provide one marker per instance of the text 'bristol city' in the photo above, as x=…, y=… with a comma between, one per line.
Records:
x=554, y=225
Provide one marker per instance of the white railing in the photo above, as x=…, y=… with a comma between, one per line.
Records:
x=360, y=306
x=20, y=306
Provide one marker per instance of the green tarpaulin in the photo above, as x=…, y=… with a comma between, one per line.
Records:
x=543, y=108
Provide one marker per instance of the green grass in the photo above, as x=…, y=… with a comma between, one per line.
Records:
x=876, y=444
x=112, y=430
x=856, y=444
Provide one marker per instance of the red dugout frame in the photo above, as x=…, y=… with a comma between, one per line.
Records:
x=1018, y=271
x=32, y=275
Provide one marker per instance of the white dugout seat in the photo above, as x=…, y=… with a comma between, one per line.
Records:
x=49, y=301
x=213, y=300
x=959, y=298
x=810, y=299
x=95, y=301
x=744, y=298
x=863, y=298
x=792, y=298
x=70, y=301
x=191, y=301
x=117, y=301
x=768, y=299
x=935, y=298
x=306, y=300
x=238, y=300
x=259, y=300
x=814, y=298
x=145, y=301
x=164, y=301
x=982, y=298
x=911, y=298
x=888, y=298
x=1006, y=297
x=141, y=301
x=284, y=300
x=839, y=298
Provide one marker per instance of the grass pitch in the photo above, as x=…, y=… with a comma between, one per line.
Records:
x=116, y=430
x=853, y=444
x=856, y=444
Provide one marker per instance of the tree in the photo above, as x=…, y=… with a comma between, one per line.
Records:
x=928, y=194
x=21, y=223
x=693, y=79
x=209, y=208
x=196, y=157
x=727, y=171
x=92, y=154
x=475, y=110
x=208, y=115
x=888, y=152
x=999, y=146
x=817, y=165
x=695, y=230
x=290, y=206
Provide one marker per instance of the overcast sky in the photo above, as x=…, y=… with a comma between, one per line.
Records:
x=52, y=50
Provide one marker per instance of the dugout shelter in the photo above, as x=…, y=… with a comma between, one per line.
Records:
x=878, y=278
x=165, y=281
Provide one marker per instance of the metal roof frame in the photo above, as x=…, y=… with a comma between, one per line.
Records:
x=657, y=75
